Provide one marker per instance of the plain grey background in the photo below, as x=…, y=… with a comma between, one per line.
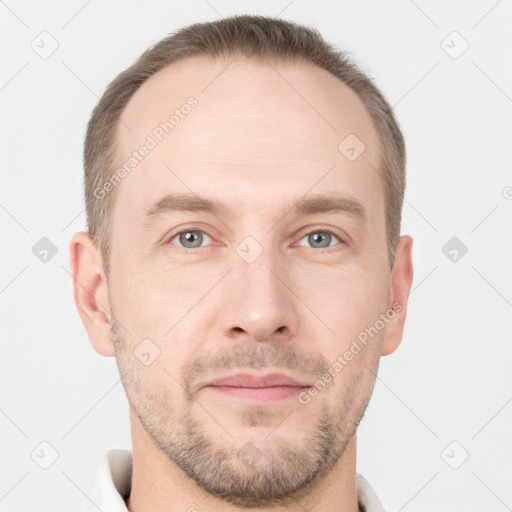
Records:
x=436, y=435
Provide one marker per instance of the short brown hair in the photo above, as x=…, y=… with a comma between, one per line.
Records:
x=248, y=36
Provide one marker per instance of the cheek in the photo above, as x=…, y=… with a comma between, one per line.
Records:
x=348, y=300
x=350, y=304
x=150, y=301
x=158, y=310
x=151, y=384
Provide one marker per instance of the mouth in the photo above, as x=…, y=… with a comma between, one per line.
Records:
x=266, y=388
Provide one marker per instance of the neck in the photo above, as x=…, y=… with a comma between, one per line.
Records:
x=158, y=484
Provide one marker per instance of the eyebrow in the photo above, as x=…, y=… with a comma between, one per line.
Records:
x=310, y=204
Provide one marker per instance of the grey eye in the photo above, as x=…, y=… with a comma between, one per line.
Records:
x=190, y=239
x=321, y=239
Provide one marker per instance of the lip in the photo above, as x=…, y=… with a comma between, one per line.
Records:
x=263, y=388
x=247, y=380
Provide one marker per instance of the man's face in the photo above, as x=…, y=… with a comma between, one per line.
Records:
x=257, y=288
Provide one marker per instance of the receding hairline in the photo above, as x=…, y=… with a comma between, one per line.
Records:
x=225, y=61
x=237, y=57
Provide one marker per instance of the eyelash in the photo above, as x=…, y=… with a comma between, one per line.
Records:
x=322, y=230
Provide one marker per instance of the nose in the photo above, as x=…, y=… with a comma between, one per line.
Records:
x=258, y=301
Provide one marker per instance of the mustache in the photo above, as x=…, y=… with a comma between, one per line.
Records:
x=276, y=354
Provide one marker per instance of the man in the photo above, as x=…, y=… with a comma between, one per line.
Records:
x=244, y=184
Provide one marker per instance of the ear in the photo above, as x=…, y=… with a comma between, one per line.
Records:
x=90, y=292
x=401, y=282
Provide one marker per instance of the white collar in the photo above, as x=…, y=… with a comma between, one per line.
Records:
x=114, y=478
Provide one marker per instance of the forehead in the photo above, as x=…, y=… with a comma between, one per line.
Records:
x=254, y=126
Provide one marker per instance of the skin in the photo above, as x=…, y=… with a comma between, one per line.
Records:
x=257, y=143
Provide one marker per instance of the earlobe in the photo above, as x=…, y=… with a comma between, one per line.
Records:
x=401, y=282
x=90, y=292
